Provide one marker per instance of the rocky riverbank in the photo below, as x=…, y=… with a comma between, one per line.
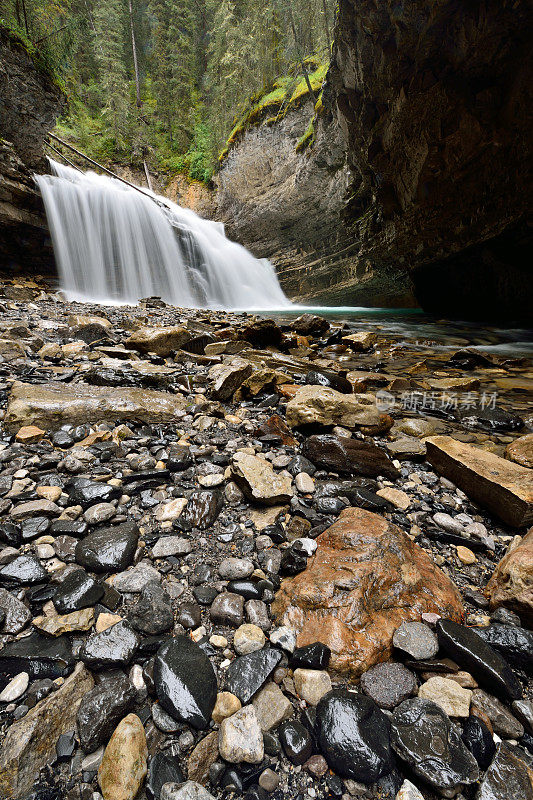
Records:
x=259, y=559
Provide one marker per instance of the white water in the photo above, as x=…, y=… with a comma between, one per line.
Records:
x=113, y=244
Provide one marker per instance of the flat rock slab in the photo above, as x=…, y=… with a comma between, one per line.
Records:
x=30, y=743
x=54, y=404
x=365, y=579
x=502, y=486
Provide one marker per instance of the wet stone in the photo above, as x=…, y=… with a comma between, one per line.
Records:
x=152, y=614
x=189, y=615
x=201, y=511
x=240, y=738
x=108, y=549
x=102, y=708
x=416, y=639
x=185, y=682
x=15, y=615
x=85, y=492
x=503, y=722
x=171, y=546
x=22, y=571
x=471, y=652
x=507, y=778
x=40, y=656
x=164, y=769
x=388, y=684
x=354, y=736
x=478, y=739
x=235, y=568
x=312, y=656
x=113, y=647
x=78, y=590
x=248, y=589
x=424, y=737
x=514, y=643
x=247, y=674
x=296, y=741
x=227, y=609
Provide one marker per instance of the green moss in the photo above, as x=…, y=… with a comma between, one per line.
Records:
x=308, y=137
x=273, y=104
x=40, y=58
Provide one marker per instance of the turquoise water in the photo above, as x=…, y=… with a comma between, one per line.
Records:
x=412, y=326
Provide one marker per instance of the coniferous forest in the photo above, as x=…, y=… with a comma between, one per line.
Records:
x=165, y=80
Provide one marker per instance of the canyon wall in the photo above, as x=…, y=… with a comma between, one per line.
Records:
x=30, y=101
x=419, y=181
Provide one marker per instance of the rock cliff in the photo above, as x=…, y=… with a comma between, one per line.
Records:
x=418, y=182
x=29, y=104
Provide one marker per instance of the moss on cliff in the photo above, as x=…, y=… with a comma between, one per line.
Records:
x=39, y=56
x=275, y=101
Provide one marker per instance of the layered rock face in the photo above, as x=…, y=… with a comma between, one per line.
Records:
x=432, y=100
x=288, y=206
x=29, y=105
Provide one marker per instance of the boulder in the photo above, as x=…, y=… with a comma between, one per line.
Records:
x=30, y=743
x=321, y=405
x=505, y=488
x=161, y=341
x=365, y=579
x=227, y=378
x=51, y=405
x=511, y=584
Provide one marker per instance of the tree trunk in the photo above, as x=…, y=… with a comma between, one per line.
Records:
x=135, y=64
x=302, y=62
x=326, y=27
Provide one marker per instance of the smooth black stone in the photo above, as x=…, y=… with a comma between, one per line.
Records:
x=301, y=464
x=163, y=768
x=472, y=653
x=479, y=741
x=513, y=643
x=69, y=527
x=152, y=613
x=189, y=615
x=388, y=786
x=507, y=778
x=108, y=549
x=231, y=780
x=255, y=793
x=204, y=594
x=113, y=647
x=200, y=575
x=326, y=378
x=65, y=745
x=102, y=708
x=292, y=562
x=352, y=456
x=271, y=743
x=85, y=492
x=40, y=656
x=22, y=571
x=276, y=533
x=40, y=594
x=527, y=742
x=364, y=498
x=335, y=785
x=185, y=681
x=426, y=739
x=62, y=439
x=248, y=673
x=179, y=458
x=10, y=534
x=78, y=590
x=330, y=505
x=36, y=526
x=476, y=545
x=312, y=656
x=354, y=736
x=111, y=599
x=158, y=475
x=296, y=741
x=248, y=589
x=201, y=511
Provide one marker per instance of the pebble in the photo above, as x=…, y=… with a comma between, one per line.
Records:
x=248, y=638
x=15, y=688
x=227, y=609
x=247, y=674
x=447, y=694
x=398, y=498
x=296, y=741
x=388, y=684
x=190, y=790
x=311, y=684
x=304, y=483
x=272, y=707
x=465, y=555
x=225, y=706
x=124, y=764
x=268, y=780
x=185, y=682
x=235, y=568
x=240, y=738
x=416, y=639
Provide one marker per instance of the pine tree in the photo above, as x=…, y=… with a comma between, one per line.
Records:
x=109, y=52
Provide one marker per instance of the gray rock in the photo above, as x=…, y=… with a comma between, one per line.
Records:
x=416, y=639
x=388, y=684
x=101, y=512
x=171, y=546
x=235, y=568
x=102, y=708
x=507, y=778
x=502, y=720
x=152, y=613
x=111, y=648
x=240, y=738
x=227, y=609
x=17, y=615
x=190, y=790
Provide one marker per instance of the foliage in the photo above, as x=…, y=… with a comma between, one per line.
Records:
x=164, y=81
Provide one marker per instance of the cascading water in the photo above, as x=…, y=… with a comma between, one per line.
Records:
x=113, y=243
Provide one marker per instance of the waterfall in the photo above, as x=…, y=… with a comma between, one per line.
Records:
x=114, y=244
